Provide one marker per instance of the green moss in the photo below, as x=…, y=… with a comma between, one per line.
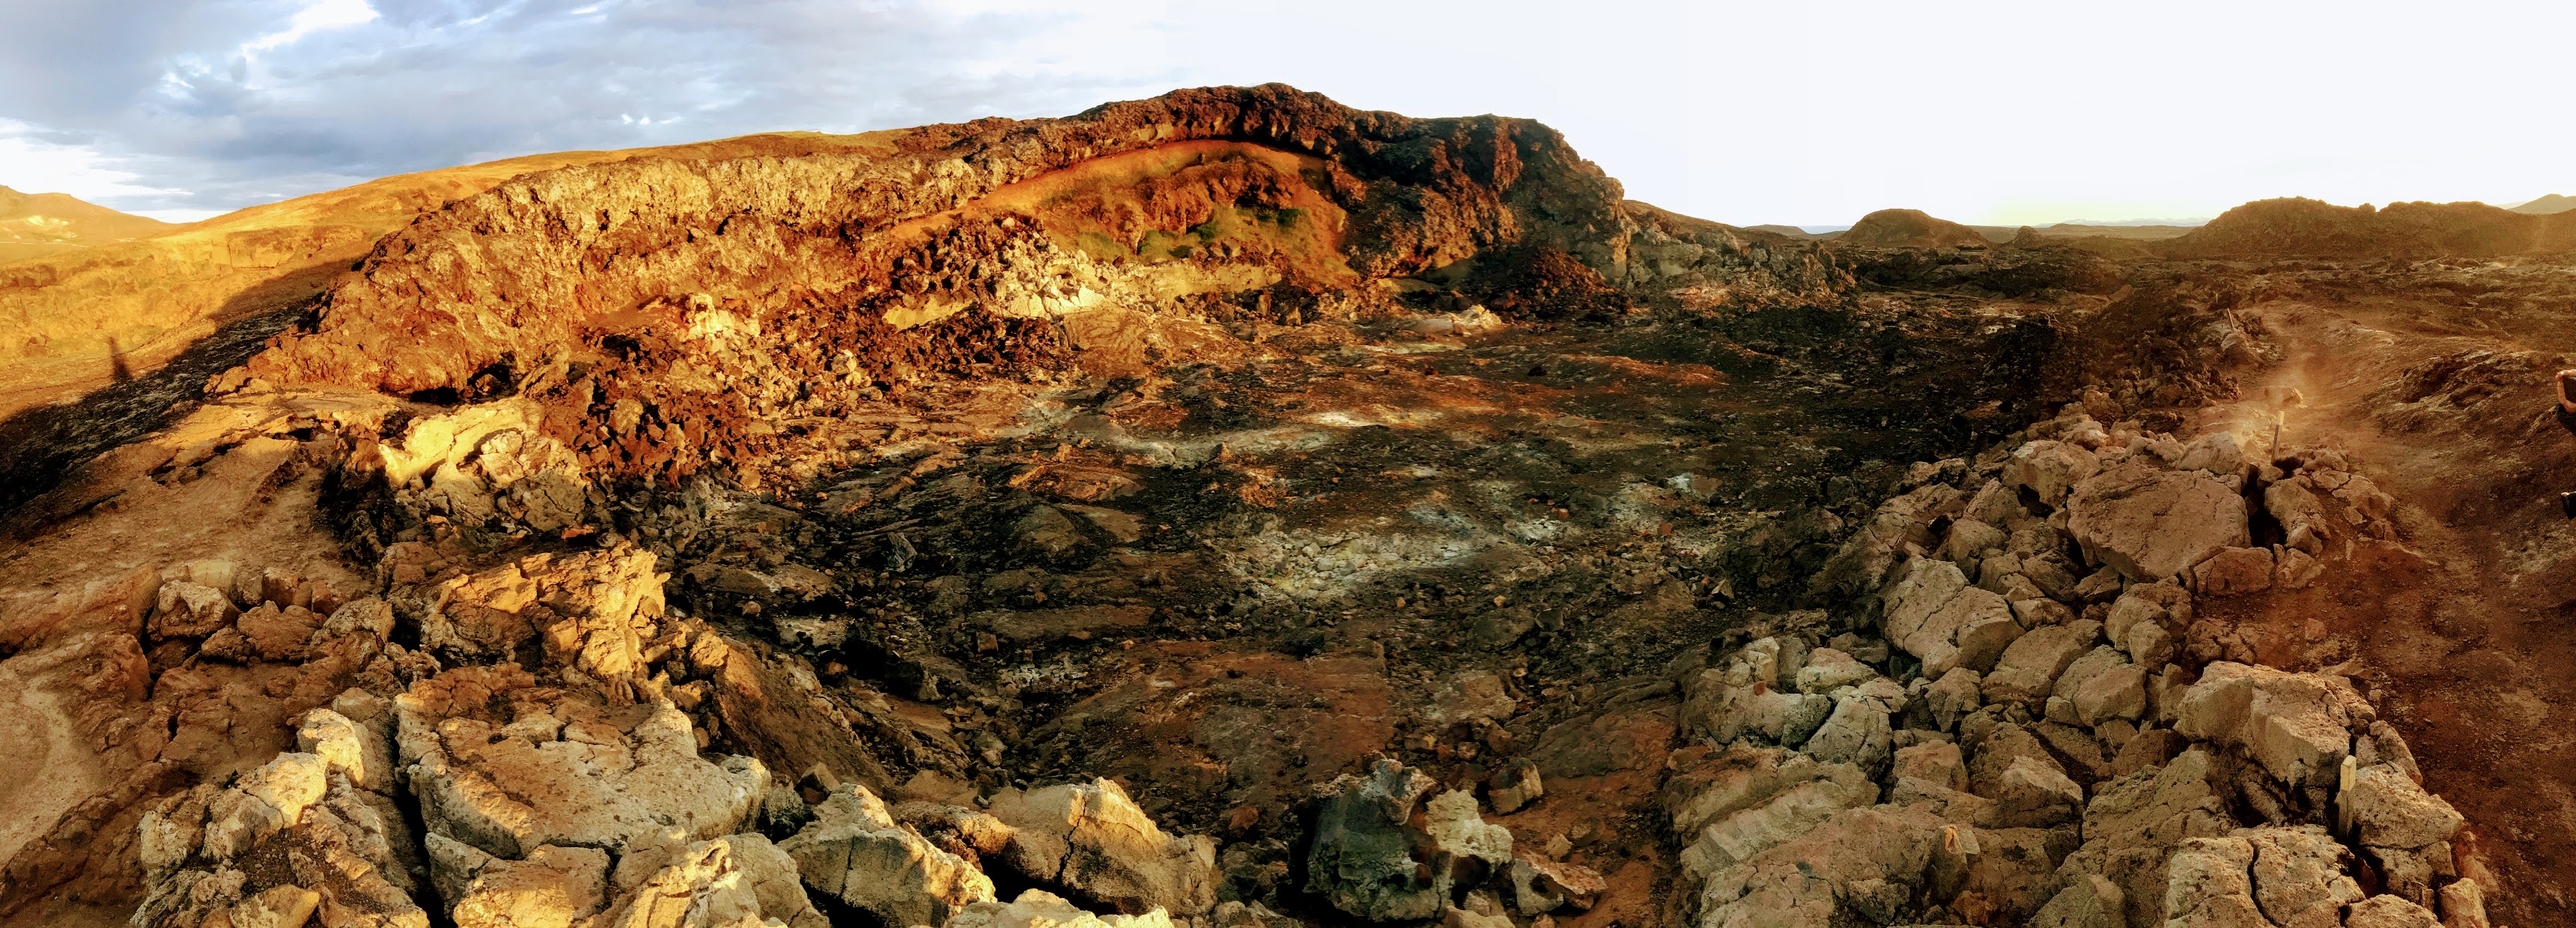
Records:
x=1100, y=247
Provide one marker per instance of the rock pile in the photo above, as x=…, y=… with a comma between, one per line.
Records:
x=2051, y=739
x=1385, y=848
x=574, y=790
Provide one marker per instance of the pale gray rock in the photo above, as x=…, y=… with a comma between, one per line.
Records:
x=2152, y=523
x=2028, y=670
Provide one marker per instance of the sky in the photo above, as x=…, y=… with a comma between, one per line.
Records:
x=1747, y=113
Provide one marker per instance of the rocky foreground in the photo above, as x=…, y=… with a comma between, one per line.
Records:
x=1226, y=510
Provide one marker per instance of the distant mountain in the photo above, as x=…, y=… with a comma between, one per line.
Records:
x=36, y=224
x=2544, y=206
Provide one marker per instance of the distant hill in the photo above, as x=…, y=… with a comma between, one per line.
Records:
x=2297, y=227
x=1911, y=228
x=2547, y=205
x=37, y=224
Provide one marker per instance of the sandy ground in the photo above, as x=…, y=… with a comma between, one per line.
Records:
x=2463, y=629
x=53, y=768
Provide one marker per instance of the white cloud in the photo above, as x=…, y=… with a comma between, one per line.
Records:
x=36, y=165
x=1740, y=111
x=319, y=16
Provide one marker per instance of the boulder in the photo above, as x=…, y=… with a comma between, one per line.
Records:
x=2464, y=905
x=1092, y=839
x=2164, y=604
x=1728, y=704
x=2103, y=685
x=1460, y=835
x=2217, y=452
x=334, y=849
x=2208, y=883
x=2302, y=516
x=1995, y=502
x=561, y=768
x=587, y=608
x=1936, y=616
x=2151, y=523
x=1037, y=908
x=1880, y=544
x=1778, y=818
x=554, y=887
x=856, y=852
x=1953, y=696
x=2087, y=901
x=736, y=879
x=2300, y=876
x=2008, y=871
x=278, y=634
x=1969, y=538
x=1858, y=733
x=2295, y=569
x=2150, y=645
x=2034, y=794
x=2135, y=822
x=2053, y=576
x=1541, y=885
x=1361, y=857
x=2147, y=750
x=1938, y=763
x=2390, y=810
x=263, y=802
x=2028, y=670
x=2099, y=586
x=2049, y=469
x=1515, y=786
x=190, y=610
x=1880, y=853
x=1952, y=805
x=332, y=737
x=2297, y=726
x=1828, y=669
x=2233, y=571
x=1744, y=776
x=2389, y=912
x=1470, y=696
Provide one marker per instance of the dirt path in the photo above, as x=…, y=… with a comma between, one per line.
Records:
x=2464, y=629
x=55, y=767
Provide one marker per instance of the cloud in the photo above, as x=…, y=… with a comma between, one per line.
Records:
x=1741, y=111
x=285, y=99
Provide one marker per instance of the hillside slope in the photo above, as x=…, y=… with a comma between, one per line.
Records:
x=2553, y=203
x=76, y=318
x=2295, y=227
x=1910, y=228
x=39, y=224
